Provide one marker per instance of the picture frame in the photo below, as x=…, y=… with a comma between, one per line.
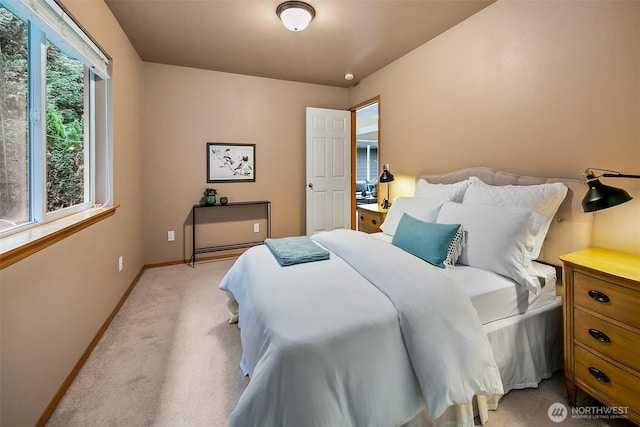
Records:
x=229, y=162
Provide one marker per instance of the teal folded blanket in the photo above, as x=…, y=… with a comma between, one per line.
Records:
x=295, y=250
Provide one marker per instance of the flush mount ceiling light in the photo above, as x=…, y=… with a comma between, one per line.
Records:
x=295, y=15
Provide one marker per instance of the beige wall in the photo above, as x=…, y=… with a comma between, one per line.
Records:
x=532, y=87
x=184, y=109
x=538, y=88
x=54, y=302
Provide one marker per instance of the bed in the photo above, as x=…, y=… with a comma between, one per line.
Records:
x=392, y=331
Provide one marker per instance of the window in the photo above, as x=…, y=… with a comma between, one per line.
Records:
x=14, y=96
x=67, y=176
x=55, y=117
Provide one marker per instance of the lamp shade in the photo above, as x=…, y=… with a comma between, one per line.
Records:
x=295, y=15
x=600, y=196
x=386, y=175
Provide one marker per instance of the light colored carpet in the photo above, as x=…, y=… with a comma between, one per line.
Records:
x=171, y=359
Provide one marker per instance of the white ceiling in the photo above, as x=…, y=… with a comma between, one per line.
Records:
x=246, y=36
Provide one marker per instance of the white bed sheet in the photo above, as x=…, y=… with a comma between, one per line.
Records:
x=497, y=297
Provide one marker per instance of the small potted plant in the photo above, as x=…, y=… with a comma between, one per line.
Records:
x=210, y=196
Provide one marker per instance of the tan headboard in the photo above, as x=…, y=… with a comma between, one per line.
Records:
x=571, y=229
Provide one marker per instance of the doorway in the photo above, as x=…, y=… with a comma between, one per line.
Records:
x=365, y=154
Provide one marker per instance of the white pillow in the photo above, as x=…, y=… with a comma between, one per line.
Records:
x=453, y=192
x=498, y=239
x=421, y=208
x=545, y=199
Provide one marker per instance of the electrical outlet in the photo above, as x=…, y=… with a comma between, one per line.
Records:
x=120, y=263
x=171, y=235
x=256, y=228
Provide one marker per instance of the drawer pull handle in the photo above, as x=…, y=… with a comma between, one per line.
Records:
x=599, y=375
x=374, y=221
x=598, y=296
x=361, y=218
x=600, y=336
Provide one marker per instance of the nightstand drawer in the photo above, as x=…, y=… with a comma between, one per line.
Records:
x=369, y=220
x=607, y=298
x=612, y=341
x=368, y=230
x=607, y=379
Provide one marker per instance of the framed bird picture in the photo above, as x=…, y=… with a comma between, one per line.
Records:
x=231, y=162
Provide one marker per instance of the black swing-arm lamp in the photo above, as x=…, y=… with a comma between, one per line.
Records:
x=600, y=196
x=386, y=177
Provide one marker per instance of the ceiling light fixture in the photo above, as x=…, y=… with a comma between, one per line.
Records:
x=348, y=76
x=295, y=15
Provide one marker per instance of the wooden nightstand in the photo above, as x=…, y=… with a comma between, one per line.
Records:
x=370, y=217
x=601, y=308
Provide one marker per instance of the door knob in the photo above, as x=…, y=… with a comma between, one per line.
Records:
x=310, y=185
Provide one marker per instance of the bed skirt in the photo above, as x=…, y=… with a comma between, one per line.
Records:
x=527, y=349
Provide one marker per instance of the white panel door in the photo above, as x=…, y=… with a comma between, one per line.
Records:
x=328, y=169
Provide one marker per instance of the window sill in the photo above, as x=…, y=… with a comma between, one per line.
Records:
x=21, y=245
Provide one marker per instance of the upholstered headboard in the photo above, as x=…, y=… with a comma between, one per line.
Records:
x=571, y=229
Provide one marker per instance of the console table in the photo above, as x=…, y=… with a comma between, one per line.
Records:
x=201, y=250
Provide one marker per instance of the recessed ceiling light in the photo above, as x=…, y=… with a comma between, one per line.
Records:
x=348, y=76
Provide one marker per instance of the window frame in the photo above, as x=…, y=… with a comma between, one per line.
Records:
x=51, y=23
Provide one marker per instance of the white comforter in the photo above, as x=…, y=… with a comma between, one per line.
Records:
x=362, y=339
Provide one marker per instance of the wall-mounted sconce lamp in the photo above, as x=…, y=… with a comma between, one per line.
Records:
x=600, y=196
x=386, y=177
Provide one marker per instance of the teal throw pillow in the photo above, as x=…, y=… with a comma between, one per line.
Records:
x=426, y=240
